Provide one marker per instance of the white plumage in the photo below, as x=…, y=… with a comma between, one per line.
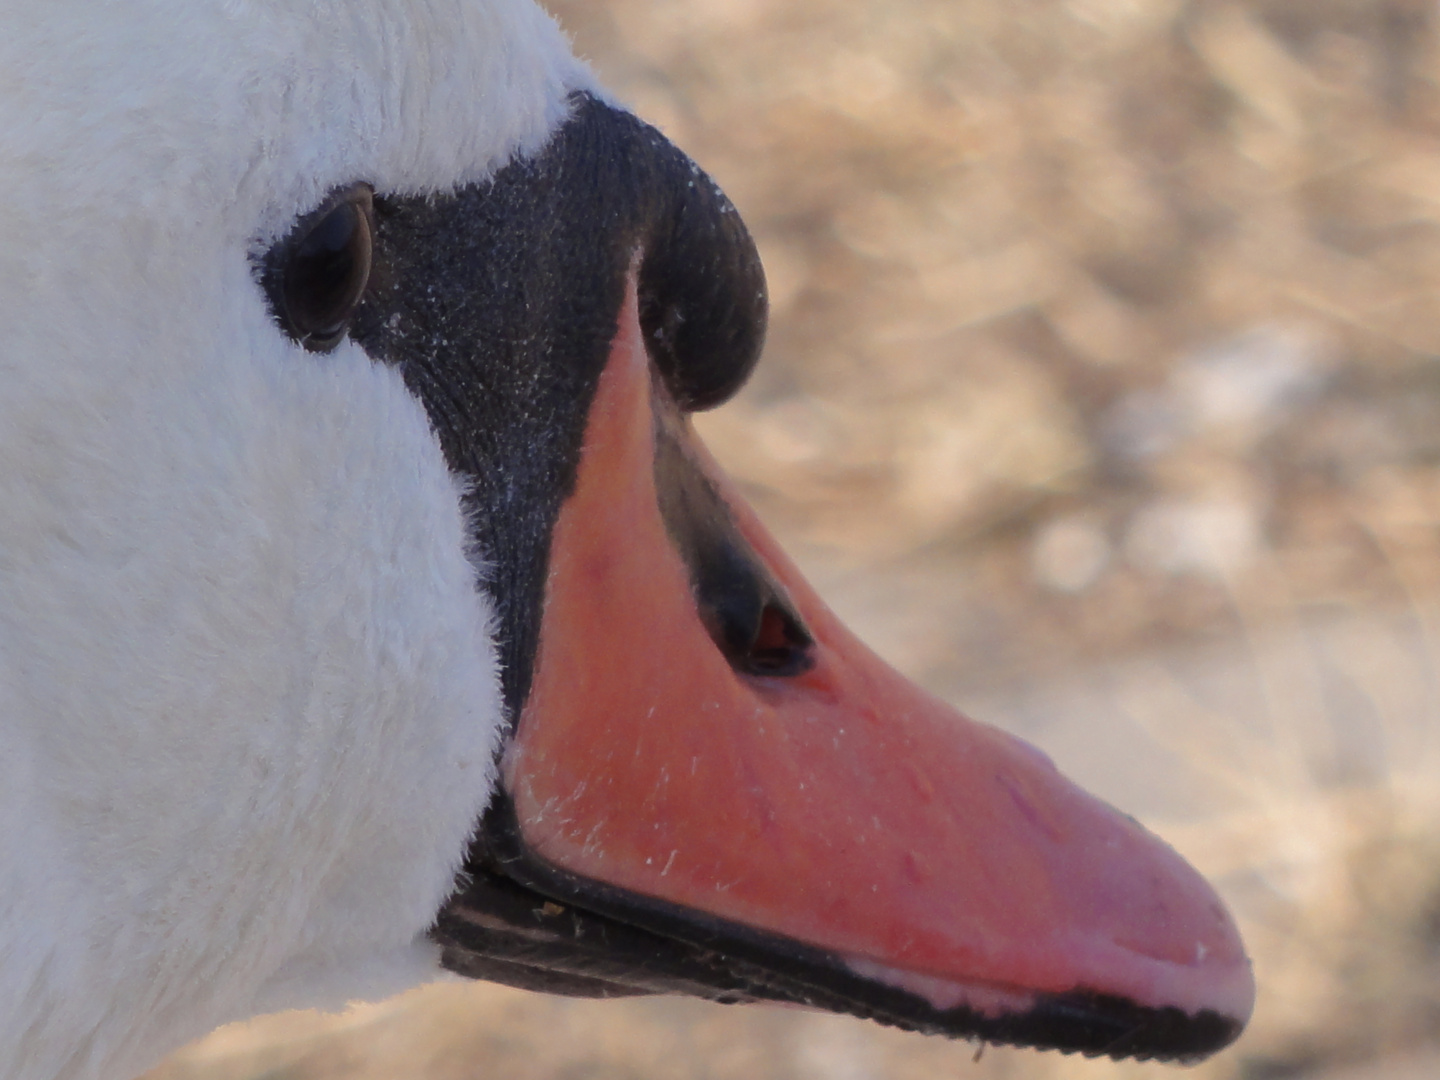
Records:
x=237, y=612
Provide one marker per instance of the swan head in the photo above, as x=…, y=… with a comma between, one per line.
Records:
x=328, y=614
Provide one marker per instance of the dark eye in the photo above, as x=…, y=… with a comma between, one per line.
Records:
x=326, y=268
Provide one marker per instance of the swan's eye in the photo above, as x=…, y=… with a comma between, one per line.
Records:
x=326, y=269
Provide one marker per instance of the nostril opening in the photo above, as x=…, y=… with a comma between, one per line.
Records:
x=743, y=608
x=780, y=646
x=745, y=612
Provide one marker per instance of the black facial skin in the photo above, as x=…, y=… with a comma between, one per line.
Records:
x=498, y=304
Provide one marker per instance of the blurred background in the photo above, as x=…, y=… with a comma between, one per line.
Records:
x=1102, y=396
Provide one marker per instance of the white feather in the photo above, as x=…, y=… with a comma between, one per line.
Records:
x=248, y=692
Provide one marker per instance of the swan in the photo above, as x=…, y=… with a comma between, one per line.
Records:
x=369, y=609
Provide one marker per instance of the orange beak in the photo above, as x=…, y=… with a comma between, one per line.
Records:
x=829, y=802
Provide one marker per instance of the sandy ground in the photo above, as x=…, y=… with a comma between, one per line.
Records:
x=1100, y=396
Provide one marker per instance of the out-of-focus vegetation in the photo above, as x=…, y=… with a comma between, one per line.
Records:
x=1104, y=383
x=1132, y=301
